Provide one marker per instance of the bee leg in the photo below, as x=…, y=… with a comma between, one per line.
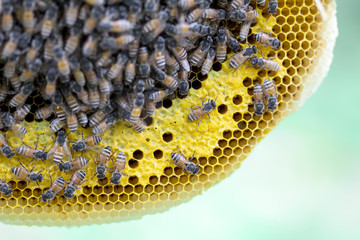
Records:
x=199, y=122
x=209, y=117
x=25, y=144
x=192, y=157
x=30, y=161
x=24, y=166
x=203, y=100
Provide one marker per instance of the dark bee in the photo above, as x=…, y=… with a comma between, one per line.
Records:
x=199, y=111
x=119, y=167
x=239, y=4
x=5, y=187
x=31, y=72
x=60, y=148
x=259, y=98
x=270, y=94
x=273, y=6
x=9, y=122
x=5, y=149
x=34, y=50
x=56, y=187
x=186, y=164
x=232, y=42
x=76, y=164
x=75, y=180
x=86, y=143
x=261, y=2
x=268, y=40
x=23, y=174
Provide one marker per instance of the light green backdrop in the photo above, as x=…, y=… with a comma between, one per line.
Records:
x=301, y=182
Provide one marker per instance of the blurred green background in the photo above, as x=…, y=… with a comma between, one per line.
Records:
x=301, y=182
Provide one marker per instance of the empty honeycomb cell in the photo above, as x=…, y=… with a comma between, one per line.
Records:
x=154, y=182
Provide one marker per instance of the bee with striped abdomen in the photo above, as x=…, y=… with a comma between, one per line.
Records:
x=267, y=40
x=5, y=188
x=100, y=115
x=16, y=128
x=105, y=124
x=273, y=6
x=11, y=45
x=208, y=62
x=240, y=58
x=266, y=64
x=199, y=111
x=76, y=164
x=60, y=148
x=56, y=187
x=71, y=12
x=119, y=167
x=95, y=15
x=101, y=162
x=25, y=175
x=28, y=152
x=7, y=19
x=72, y=42
x=61, y=61
x=28, y=15
x=56, y=125
x=186, y=164
x=44, y=112
x=75, y=180
x=200, y=52
x=270, y=94
x=5, y=149
x=221, y=45
x=87, y=143
x=48, y=23
x=20, y=113
x=259, y=98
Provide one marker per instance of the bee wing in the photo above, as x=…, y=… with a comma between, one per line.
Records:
x=67, y=152
x=52, y=150
x=2, y=138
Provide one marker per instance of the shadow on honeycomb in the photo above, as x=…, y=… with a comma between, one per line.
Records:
x=154, y=184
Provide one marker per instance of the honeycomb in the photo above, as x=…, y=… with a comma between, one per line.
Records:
x=154, y=183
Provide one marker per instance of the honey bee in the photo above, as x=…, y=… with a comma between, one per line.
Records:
x=151, y=7
x=20, y=98
x=134, y=11
x=121, y=42
x=208, y=62
x=32, y=53
x=24, y=40
x=265, y=63
x=7, y=20
x=62, y=61
x=188, y=4
x=136, y=110
x=270, y=94
x=261, y=2
x=118, y=67
x=118, y=26
x=155, y=26
x=28, y=152
x=87, y=143
x=240, y=58
x=49, y=47
x=258, y=100
x=104, y=59
x=50, y=88
x=56, y=187
x=71, y=12
x=91, y=21
x=134, y=45
x=150, y=107
x=56, y=125
x=105, y=124
x=268, y=40
x=10, y=66
x=28, y=16
x=100, y=115
x=159, y=95
x=214, y=14
x=221, y=45
x=20, y=113
x=60, y=148
x=44, y=112
x=71, y=121
x=170, y=82
x=239, y=4
x=70, y=99
x=11, y=45
x=59, y=106
x=199, y=111
x=89, y=72
x=232, y=42
x=15, y=83
x=101, y=162
x=5, y=188
x=23, y=174
x=81, y=93
x=94, y=96
x=119, y=167
x=49, y=20
x=181, y=56
x=72, y=41
x=82, y=119
x=75, y=180
x=89, y=48
x=195, y=14
x=77, y=164
x=5, y=149
x=244, y=30
x=77, y=73
x=30, y=73
x=139, y=125
x=183, y=162
x=172, y=65
x=130, y=71
x=273, y=5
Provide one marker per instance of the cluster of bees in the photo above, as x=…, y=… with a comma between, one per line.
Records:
x=97, y=61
